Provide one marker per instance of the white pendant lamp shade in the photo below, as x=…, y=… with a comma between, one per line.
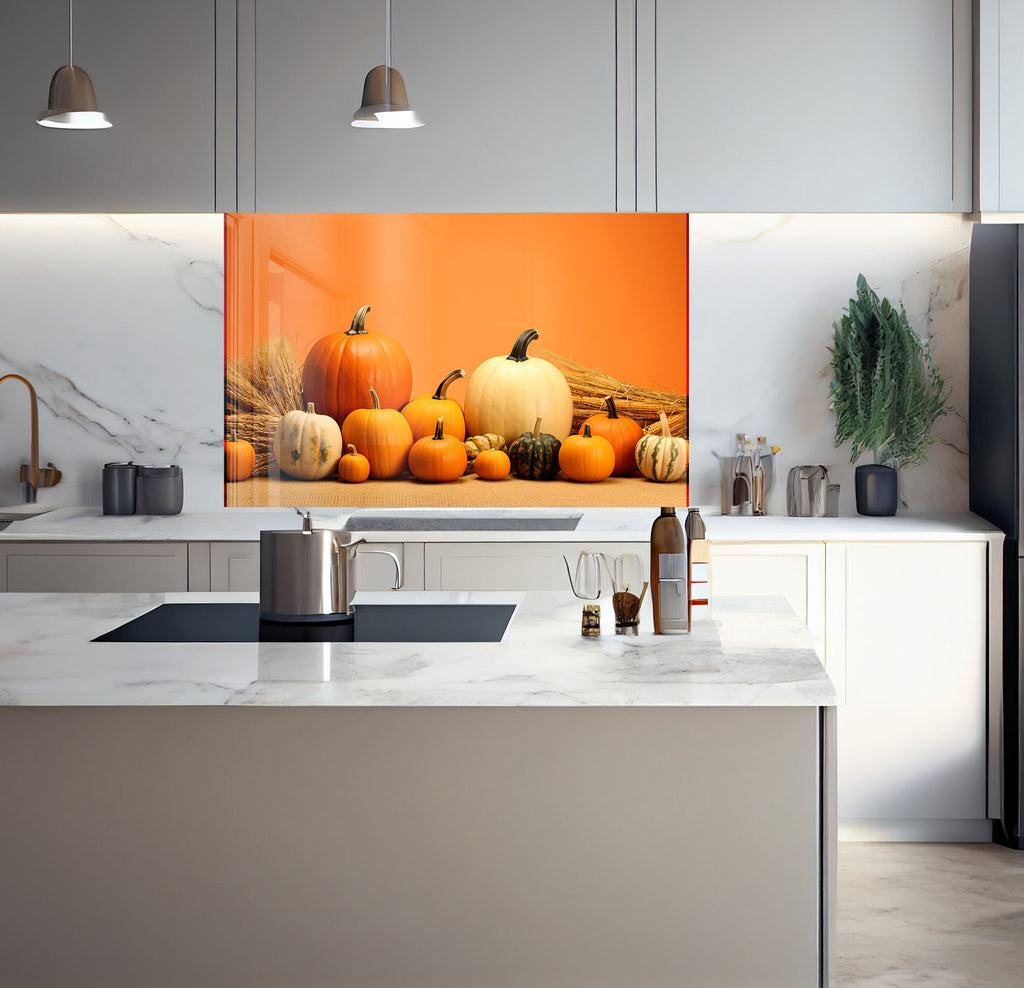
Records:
x=385, y=103
x=72, y=103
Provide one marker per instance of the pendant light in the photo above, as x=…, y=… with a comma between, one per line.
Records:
x=72, y=104
x=385, y=103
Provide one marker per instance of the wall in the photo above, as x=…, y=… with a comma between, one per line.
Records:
x=118, y=322
x=764, y=292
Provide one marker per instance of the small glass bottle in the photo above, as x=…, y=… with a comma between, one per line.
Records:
x=668, y=574
x=743, y=477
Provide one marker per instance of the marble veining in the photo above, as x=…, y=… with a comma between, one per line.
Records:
x=745, y=656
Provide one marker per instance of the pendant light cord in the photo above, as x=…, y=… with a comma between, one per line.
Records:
x=387, y=52
x=71, y=32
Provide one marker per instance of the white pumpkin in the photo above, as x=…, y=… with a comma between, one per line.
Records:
x=506, y=395
x=307, y=445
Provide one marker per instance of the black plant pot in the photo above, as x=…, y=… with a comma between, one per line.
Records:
x=878, y=489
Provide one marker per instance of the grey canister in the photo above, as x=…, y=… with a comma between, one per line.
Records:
x=119, y=481
x=161, y=490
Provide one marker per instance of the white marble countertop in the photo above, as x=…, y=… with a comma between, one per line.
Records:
x=747, y=654
x=601, y=524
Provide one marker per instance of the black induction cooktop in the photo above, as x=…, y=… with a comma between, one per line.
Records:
x=240, y=622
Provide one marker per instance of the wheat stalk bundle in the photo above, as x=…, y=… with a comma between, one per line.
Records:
x=258, y=389
x=590, y=385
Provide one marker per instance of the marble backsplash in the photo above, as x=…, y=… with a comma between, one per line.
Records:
x=118, y=322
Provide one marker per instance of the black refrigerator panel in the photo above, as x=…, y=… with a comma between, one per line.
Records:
x=1007, y=829
x=995, y=424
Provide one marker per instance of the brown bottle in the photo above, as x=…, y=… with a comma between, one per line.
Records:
x=668, y=574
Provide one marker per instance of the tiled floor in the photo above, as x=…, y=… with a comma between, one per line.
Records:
x=941, y=915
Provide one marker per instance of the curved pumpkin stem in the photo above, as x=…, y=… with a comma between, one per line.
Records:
x=609, y=402
x=665, y=431
x=536, y=429
x=439, y=428
x=442, y=388
x=519, y=347
x=376, y=401
x=352, y=451
x=358, y=322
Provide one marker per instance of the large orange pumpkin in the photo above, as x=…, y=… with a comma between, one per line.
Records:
x=621, y=431
x=341, y=368
x=381, y=435
x=587, y=459
x=424, y=410
x=438, y=458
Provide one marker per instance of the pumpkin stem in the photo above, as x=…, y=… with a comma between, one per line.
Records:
x=234, y=437
x=519, y=347
x=609, y=402
x=358, y=322
x=376, y=400
x=310, y=410
x=442, y=388
x=586, y=431
x=665, y=431
x=352, y=451
x=536, y=429
x=439, y=428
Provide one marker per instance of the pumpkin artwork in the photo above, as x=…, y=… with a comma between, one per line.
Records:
x=424, y=410
x=534, y=455
x=342, y=367
x=663, y=458
x=439, y=458
x=492, y=464
x=239, y=458
x=382, y=435
x=621, y=431
x=506, y=395
x=353, y=467
x=587, y=458
x=306, y=445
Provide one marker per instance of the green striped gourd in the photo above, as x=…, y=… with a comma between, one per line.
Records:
x=663, y=458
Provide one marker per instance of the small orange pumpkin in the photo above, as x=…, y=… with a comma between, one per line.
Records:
x=621, y=431
x=239, y=458
x=423, y=411
x=438, y=458
x=587, y=458
x=492, y=464
x=353, y=467
x=383, y=436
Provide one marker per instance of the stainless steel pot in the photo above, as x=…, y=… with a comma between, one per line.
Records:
x=310, y=573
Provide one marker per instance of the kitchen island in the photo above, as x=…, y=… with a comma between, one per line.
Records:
x=544, y=810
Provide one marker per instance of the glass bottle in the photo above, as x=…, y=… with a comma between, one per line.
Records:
x=743, y=477
x=668, y=574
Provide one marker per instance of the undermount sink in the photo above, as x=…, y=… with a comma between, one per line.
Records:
x=465, y=520
x=240, y=622
x=18, y=512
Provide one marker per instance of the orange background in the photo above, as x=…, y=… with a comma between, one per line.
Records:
x=607, y=290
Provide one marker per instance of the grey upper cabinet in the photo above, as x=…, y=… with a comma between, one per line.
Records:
x=519, y=101
x=999, y=164
x=153, y=69
x=804, y=106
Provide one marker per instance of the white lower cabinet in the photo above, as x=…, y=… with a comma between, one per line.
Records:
x=513, y=565
x=94, y=567
x=912, y=749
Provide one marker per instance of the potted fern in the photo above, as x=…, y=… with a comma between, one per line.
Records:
x=886, y=393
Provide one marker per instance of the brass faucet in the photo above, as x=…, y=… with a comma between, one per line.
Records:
x=29, y=475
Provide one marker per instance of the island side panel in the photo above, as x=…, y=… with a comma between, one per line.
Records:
x=595, y=847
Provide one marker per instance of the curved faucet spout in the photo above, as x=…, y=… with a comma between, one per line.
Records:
x=30, y=476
